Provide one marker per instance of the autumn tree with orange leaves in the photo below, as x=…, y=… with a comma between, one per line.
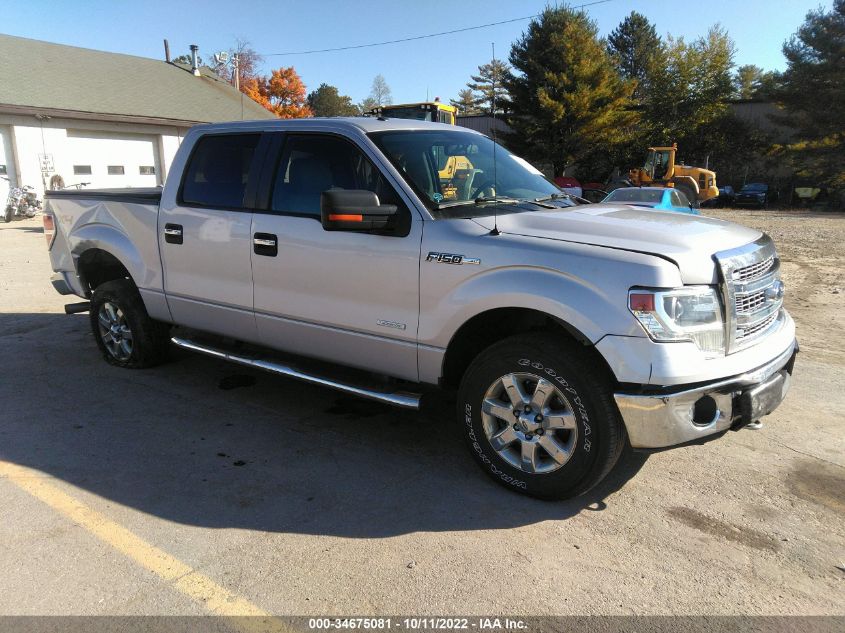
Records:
x=283, y=93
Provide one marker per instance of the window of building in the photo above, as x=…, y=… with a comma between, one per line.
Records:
x=147, y=170
x=217, y=172
x=2, y=170
x=82, y=170
x=115, y=170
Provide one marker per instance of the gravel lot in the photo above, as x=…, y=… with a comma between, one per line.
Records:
x=291, y=499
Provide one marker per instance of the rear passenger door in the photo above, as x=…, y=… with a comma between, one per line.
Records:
x=351, y=297
x=205, y=237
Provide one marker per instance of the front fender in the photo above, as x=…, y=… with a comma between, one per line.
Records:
x=593, y=310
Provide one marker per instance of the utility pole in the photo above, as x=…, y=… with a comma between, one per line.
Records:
x=236, y=71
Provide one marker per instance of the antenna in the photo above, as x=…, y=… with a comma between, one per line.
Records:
x=495, y=230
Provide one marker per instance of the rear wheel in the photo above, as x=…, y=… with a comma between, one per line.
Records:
x=538, y=418
x=125, y=333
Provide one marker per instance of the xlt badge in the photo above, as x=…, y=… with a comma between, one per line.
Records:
x=451, y=258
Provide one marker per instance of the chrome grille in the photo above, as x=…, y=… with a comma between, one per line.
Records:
x=758, y=327
x=750, y=303
x=752, y=292
x=754, y=271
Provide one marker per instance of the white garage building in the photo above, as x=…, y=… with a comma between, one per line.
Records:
x=106, y=119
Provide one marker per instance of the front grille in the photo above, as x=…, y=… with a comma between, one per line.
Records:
x=757, y=328
x=752, y=292
x=750, y=303
x=754, y=271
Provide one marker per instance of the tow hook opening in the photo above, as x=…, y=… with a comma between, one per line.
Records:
x=705, y=411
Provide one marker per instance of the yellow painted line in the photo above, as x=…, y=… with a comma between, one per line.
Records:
x=217, y=599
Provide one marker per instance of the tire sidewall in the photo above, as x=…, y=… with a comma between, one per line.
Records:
x=571, y=478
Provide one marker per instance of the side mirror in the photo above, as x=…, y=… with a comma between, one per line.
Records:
x=354, y=210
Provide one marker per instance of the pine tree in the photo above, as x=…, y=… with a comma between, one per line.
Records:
x=327, y=101
x=567, y=93
x=813, y=94
x=636, y=48
x=465, y=103
x=752, y=82
x=488, y=87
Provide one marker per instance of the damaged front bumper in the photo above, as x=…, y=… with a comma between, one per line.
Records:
x=679, y=415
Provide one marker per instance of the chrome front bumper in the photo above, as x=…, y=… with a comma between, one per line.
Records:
x=686, y=415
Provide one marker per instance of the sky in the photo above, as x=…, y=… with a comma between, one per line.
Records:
x=437, y=66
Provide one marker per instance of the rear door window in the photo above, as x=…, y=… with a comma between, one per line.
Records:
x=218, y=170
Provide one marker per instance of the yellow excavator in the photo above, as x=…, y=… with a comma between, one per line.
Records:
x=660, y=170
x=451, y=169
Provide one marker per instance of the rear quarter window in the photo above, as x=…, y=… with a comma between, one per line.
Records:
x=217, y=172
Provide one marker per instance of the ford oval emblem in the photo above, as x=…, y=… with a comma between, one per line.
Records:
x=775, y=291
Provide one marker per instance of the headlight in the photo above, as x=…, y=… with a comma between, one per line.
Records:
x=691, y=313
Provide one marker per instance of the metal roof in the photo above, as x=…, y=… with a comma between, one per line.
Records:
x=42, y=77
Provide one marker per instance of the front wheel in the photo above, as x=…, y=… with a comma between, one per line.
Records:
x=538, y=418
x=7, y=214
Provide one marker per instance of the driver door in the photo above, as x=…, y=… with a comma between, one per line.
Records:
x=345, y=296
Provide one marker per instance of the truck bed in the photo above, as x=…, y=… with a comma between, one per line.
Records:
x=140, y=195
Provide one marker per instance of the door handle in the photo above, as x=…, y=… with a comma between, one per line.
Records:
x=173, y=233
x=265, y=244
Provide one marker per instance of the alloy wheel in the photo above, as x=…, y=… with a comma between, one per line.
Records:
x=115, y=331
x=529, y=423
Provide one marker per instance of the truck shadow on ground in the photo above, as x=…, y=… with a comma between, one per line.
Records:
x=200, y=442
x=25, y=229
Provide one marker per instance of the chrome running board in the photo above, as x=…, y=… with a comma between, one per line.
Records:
x=396, y=398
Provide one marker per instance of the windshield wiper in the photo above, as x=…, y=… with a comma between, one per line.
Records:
x=555, y=196
x=479, y=201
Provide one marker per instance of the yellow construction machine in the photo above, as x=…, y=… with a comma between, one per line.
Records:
x=433, y=111
x=450, y=168
x=660, y=170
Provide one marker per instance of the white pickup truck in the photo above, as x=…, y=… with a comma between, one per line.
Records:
x=333, y=251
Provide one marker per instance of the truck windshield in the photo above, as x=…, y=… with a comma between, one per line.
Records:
x=455, y=168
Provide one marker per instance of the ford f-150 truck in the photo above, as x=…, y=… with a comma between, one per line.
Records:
x=325, y=250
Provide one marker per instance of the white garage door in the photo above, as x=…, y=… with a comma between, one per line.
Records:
x=7, y=163
x=111, y=160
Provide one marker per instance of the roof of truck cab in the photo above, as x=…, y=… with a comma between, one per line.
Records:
x=365, y=124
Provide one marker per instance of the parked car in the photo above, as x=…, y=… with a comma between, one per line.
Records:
x=658, y=198
x=726, y=198
x=566, y=331
x=755, y=194
x=593, y=195
x=570, y=185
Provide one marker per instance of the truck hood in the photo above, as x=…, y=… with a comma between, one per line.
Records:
x=688, y=240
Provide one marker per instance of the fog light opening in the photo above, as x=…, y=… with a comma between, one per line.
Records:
x=705, y=412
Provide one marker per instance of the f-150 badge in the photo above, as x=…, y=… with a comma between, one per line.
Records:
x=451, y=258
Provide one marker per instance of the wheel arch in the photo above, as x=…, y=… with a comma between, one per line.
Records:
x=96, y=266
x=102, y=253
x=491, y=326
